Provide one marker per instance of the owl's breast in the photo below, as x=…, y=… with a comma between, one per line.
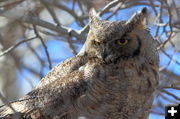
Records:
x=117, y=89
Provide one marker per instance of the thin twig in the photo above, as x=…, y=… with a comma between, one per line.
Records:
x=44, y=45
x=157, y=113
x=170, y=94
x=69, y=11
x=108, y=6
x=73, y=50
x=15, y=46
x=100, y=13
x=51, y=11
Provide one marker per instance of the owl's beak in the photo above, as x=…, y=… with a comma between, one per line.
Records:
x=104, y=54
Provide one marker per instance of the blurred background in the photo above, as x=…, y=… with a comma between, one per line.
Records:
x=36, y=35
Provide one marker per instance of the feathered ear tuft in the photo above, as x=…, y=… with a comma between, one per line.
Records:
x=137, y=20
x=93, y=18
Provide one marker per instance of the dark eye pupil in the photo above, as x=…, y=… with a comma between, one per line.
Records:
x=122, y=40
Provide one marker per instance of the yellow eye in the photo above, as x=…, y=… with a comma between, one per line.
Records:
x=122, y=41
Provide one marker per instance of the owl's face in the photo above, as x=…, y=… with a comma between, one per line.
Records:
x=109, y=44
x=111, y=41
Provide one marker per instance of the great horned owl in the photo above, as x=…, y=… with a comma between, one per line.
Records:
x=113, y=76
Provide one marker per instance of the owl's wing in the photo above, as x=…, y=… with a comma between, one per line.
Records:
x=63, y=69
x=54, y=98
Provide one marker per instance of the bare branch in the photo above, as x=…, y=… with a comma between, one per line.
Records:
x=170, y=94
x=51, y=11
x=15, y=46
x=44, y=45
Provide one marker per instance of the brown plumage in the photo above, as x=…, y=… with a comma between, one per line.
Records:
x=113, y=77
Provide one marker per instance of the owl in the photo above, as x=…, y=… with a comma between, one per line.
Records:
x=112, y=77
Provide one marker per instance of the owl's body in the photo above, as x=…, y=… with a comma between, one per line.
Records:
x=117, y=94
x=110, y=78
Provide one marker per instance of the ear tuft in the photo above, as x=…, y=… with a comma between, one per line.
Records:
x=92, y=12
x=93, y=17
x=137, y=20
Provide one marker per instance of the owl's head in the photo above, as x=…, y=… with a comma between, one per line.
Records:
x=112, y=41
